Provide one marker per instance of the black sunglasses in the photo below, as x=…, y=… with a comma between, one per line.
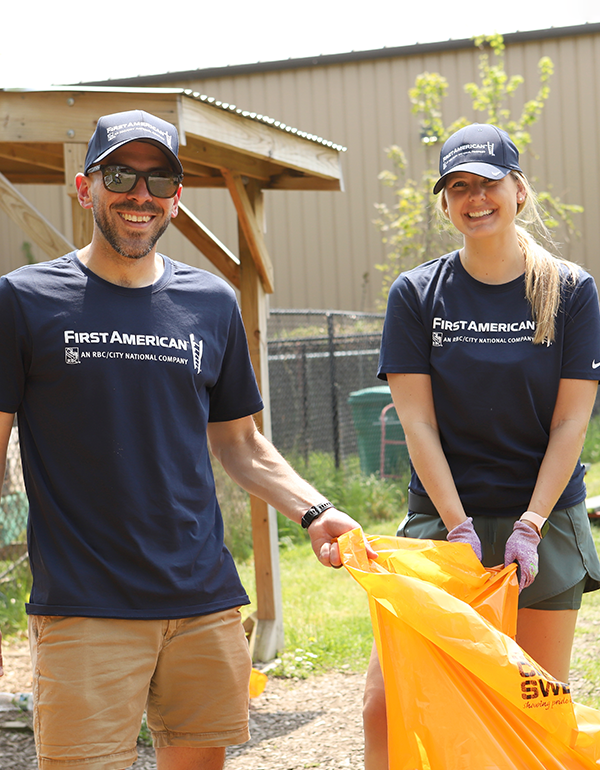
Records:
x=122, y=179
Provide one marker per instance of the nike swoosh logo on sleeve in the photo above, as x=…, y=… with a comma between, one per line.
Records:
x=595, y=365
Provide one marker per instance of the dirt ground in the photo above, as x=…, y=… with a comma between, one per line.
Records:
x=295, y=724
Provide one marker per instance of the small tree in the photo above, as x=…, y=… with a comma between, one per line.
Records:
x=409, y=227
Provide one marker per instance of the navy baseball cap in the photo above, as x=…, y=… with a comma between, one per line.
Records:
x=120, y=128
x=479, y=149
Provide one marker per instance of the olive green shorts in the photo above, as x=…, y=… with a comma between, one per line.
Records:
x=568, y=561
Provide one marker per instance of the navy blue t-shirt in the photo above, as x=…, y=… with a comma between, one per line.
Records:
x=114, y=388
x=494, y=391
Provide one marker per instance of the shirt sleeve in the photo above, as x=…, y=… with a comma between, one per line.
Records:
x=235, y=394
x=14, y=358
x=405, y=343
x=581, y=345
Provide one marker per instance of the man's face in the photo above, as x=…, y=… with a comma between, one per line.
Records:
x=131, y=223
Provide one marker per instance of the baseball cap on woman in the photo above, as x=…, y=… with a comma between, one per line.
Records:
x=479, y=149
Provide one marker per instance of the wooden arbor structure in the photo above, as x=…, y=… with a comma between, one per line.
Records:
x=43, y=140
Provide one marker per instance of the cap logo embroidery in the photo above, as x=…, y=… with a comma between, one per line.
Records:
x=465, y=149
x=113, y=132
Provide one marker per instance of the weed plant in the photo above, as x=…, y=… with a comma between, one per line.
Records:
x=586, y=662
x=235, y=507
x=368, y=499
x=15, y=588
x=325, y=612
x=591, y=447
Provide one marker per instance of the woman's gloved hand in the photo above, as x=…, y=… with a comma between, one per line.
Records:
x=521, y=547
x=465, y=533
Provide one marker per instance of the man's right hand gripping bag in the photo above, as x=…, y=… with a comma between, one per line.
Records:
x=460, y=693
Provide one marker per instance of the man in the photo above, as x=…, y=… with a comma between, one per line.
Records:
x=120, y=364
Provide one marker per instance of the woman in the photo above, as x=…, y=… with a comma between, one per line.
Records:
x=491, y=354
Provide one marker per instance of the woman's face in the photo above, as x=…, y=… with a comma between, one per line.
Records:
x=480, y=207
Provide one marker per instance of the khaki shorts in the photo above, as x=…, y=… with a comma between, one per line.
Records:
x=93, y=678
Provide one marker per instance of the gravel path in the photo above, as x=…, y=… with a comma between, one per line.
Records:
x=295, y=724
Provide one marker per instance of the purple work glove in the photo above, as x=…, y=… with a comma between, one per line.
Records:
x=521, y=547
x=465, y=533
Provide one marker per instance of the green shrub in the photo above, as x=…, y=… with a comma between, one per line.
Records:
x=15, y=588
x=365, y=498
x=591, y=446
x=368, y=499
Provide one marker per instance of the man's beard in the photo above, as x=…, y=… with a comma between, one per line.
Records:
x=132, y=247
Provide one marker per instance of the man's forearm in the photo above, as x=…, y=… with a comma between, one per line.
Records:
x=257, y=466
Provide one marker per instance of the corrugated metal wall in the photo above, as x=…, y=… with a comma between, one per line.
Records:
x=323, y=244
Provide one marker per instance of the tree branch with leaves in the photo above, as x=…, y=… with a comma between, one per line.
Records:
x=409, y=226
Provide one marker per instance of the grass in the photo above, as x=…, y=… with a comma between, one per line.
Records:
x=326, y=613
x=586, y=662
x=591, y=448
x=326, y=623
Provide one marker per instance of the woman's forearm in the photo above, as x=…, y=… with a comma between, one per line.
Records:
x=413, y=400
x=572, y=412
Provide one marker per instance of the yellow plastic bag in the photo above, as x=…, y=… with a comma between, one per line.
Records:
x=460, y=693
x=258, y=682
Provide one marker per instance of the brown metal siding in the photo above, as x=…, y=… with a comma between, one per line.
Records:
x=323, y=244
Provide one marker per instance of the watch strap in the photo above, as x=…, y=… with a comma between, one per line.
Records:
x=314, y=512
x=540, y=523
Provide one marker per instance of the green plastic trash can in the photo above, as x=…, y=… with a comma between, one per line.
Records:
x=366, y=407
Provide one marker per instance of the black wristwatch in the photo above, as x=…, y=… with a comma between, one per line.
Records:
x=314, y=512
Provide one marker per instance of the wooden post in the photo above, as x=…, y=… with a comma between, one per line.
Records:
x=268, y=639
x=83, y=220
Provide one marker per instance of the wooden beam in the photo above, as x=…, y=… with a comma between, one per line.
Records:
x=269, y=634
x=195, y=168
x=83, y=219
x=32, y=178
x=215, y=156
x=29, y=219
x=301, y=182
x=203, y=182
x=70, y=115
x=33, y=155
x=73, y=164
x=251, y=228
x=208, y=244
x=254, y=303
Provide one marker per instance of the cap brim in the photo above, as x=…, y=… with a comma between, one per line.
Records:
x=481, y=169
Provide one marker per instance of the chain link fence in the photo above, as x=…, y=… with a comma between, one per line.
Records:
x=317, y=360
x=13, y=512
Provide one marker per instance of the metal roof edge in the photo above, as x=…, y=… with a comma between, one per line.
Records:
x=323, y=60
x=211, y=101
